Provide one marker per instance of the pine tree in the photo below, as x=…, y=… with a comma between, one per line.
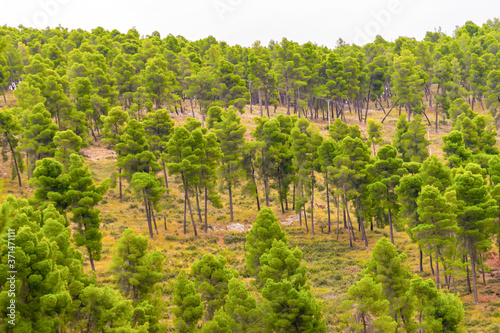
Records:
x=368, y=301
x=475, y=213
x=220, y=323
x=386, y=267
x=327, y=152
x=136, y=271
x=260, y=238
x=148, y=190
x=291, y=309
x=374, y=133
x=184, y=160
x=159, y=128
x=10, y=128
x=456, y=154
x=349, y=172
x=113, y=126
x=189, y=307
x=104, y=308
x=437, y=231
x=53, y=185
x=242, y=308
x=133, y=151
x=67, y=143
x=281, y=263
x=231, y=135
x=38, y=136
x=211, y=278
x=435, y=173
x=305, y=140
x=42, y=295
x=82, y=197
x=386, y=174
x=413, y=142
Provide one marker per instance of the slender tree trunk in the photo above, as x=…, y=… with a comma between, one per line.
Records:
x=362, y=225
x=293, y=203
x=421, y=259
x=165, y=222
x=430, y=264
x=390, y=226
x=473, y=270
x=256, y=191
x=328, y=202
x=120, y=182
x=150, y=226
x=230, y=200
x=312, y=203
x=266, y=184
x=349, y=227
x=191, y=213
x=338, y=217
x=14, y=159
x=91, y=262
x=437, y=270
x=206, y=210
x=260, y=104
x=153, y=216
x=165, y=174
x=305, y=218
x=4, y=98
x=198, y=206
x=482, y=267
x=468, y=276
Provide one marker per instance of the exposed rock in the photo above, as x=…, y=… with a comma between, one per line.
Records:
x=289, y=221
x=236, y=227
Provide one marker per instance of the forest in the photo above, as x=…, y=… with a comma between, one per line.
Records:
x=156, y=184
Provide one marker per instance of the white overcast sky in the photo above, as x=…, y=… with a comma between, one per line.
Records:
x=245, y=21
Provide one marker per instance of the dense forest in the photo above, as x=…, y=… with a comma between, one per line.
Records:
x=363, y=183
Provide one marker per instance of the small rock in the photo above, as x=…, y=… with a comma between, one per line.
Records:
x=236, y=227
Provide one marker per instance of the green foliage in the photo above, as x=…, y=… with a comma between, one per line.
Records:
x=292, y=309
x=211, y=279
x=67, y=143
x=386, y=267
x=367, y=301
x=281, y=263
x=83, y=195
x=242, y=308
x=260, y=238
x=189, y=307
x=135, y=270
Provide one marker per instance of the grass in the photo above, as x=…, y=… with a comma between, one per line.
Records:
x=332, y=265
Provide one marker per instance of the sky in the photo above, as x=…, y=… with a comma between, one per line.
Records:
x=245, y=21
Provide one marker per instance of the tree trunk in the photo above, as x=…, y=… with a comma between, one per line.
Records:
x=338, y=217
x=256, y=189
x=473, y=270
x=165, y=174
x=421, y=259
x=437, y=270
x=260, y=104
x=14, y=159
x=266, y=185
x=120, y=182
x=191, y=213
x=198, y=206
x=230, y=201
x=153, y=216
x=206, y=209
x=328, y=202
x=312, y=203
x=150, y=226
x=305, y=218
x=91, y=262
x=430, y=264
x=390, y=226
x=468, y=276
